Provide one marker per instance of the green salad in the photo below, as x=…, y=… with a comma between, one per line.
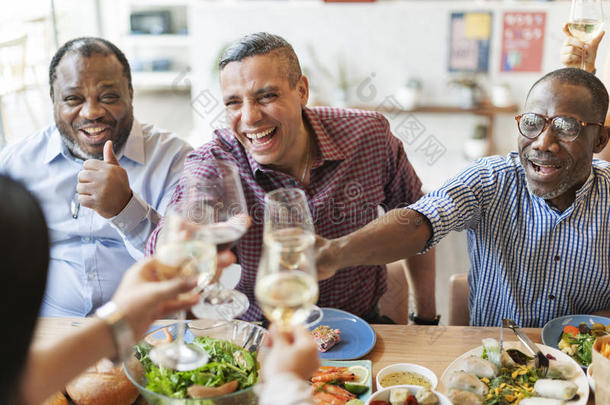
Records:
x=228, y=362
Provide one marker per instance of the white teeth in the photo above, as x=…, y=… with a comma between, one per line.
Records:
x=260, y=134
x=93, y=130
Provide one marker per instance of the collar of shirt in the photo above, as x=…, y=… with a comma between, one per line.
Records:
x=133, y=149
x=329, y=151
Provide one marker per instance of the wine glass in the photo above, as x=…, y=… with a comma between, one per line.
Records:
x=182, y=251
x=586, y=20
x=286, y=283
x=223, y=214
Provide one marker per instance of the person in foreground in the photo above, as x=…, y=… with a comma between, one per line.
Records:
x=30, y=373
x=101, y=176
x=538, y=221
x=346, y=161
x=24, y=248
x=292, y=360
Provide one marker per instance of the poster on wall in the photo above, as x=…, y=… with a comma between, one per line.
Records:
x=470, y=36
x=522, y=41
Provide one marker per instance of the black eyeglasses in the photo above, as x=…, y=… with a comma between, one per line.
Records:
x=565, y=128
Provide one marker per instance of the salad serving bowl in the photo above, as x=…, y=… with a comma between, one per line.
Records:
x=248, y=336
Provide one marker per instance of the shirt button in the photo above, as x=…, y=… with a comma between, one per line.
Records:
x=557, y=258
x=551, y=297
x=86, y=239
x=91, y=276
x=121, y=224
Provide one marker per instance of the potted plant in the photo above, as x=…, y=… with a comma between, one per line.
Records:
x=409, y=94
x=475, y=147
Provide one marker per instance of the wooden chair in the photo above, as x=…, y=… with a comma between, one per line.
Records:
x=395, y=302
x=459, y=314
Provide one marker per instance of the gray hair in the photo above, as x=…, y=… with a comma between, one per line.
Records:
x=263, y=43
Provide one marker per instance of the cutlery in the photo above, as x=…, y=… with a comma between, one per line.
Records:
x=540, y=361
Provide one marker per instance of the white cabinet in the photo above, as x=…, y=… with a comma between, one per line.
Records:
x=155, y=37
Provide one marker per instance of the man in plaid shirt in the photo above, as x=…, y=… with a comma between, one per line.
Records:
x=346, y=161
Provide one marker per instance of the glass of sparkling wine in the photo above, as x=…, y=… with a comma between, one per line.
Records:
x=183, y=251
x=286, y=283
x=586, y=21
x=222, y=211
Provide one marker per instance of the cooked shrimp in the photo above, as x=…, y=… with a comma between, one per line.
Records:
x=322, y=398
x=333, y=390
x=334, y=376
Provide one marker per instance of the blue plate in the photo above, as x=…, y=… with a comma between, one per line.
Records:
x=364, y=363
x=357, y=336
x=551, y=332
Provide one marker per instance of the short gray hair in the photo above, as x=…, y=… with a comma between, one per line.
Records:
x=263, y=43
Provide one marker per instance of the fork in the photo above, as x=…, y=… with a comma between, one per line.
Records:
x=540, y=360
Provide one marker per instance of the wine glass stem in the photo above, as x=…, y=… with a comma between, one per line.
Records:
x=180, y=330
x=584, y=55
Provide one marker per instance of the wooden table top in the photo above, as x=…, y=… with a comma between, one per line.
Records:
x=434, y=347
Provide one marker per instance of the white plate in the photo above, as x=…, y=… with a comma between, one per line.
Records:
x=580, y=380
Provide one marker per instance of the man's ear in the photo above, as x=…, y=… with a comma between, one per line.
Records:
x=601, y=140
x=303, y=89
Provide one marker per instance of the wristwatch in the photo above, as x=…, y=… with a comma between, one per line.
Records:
x=424, y=321
x=121, y=331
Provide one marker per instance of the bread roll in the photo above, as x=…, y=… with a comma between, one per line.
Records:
x=56, y=399
x=102, y=384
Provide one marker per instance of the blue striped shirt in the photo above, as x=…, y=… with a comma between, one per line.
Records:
x=529, y=262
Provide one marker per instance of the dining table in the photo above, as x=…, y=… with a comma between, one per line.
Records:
x=434, y=347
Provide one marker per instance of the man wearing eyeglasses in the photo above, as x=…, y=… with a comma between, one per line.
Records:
x=538, y=222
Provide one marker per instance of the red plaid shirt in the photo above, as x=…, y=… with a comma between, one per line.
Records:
x=361, y=166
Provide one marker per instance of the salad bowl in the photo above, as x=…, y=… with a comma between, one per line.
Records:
x=248, y=336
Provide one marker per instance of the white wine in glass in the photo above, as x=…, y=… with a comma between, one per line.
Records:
x=287, y=287
x=222, y=212
x=182, y=251
x=586, y=21
x=286, y=282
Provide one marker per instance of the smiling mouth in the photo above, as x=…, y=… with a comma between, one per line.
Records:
x=545, y=169
x=261, y=138
x=95, y=134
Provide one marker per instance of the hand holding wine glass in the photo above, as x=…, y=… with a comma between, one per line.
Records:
x=183, y=251
x=585, y=24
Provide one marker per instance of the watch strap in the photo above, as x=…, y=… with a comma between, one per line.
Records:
x=424, y=321
x=121, y=331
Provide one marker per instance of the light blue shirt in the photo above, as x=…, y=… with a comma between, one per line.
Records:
x=529, y=262
x=89, y=254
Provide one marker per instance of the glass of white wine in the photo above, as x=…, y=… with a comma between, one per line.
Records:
x=286, y=283
x=586, y=21
x=182, y=251
x=222, y=212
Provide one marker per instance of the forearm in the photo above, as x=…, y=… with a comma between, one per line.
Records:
x=50, y=366
x=399, y=234
x=421, y=275
x=605, y=312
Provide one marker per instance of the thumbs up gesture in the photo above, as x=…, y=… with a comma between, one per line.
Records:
x=104, y=185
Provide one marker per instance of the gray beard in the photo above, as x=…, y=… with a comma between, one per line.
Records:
x=562, y=188
x=77, y=151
